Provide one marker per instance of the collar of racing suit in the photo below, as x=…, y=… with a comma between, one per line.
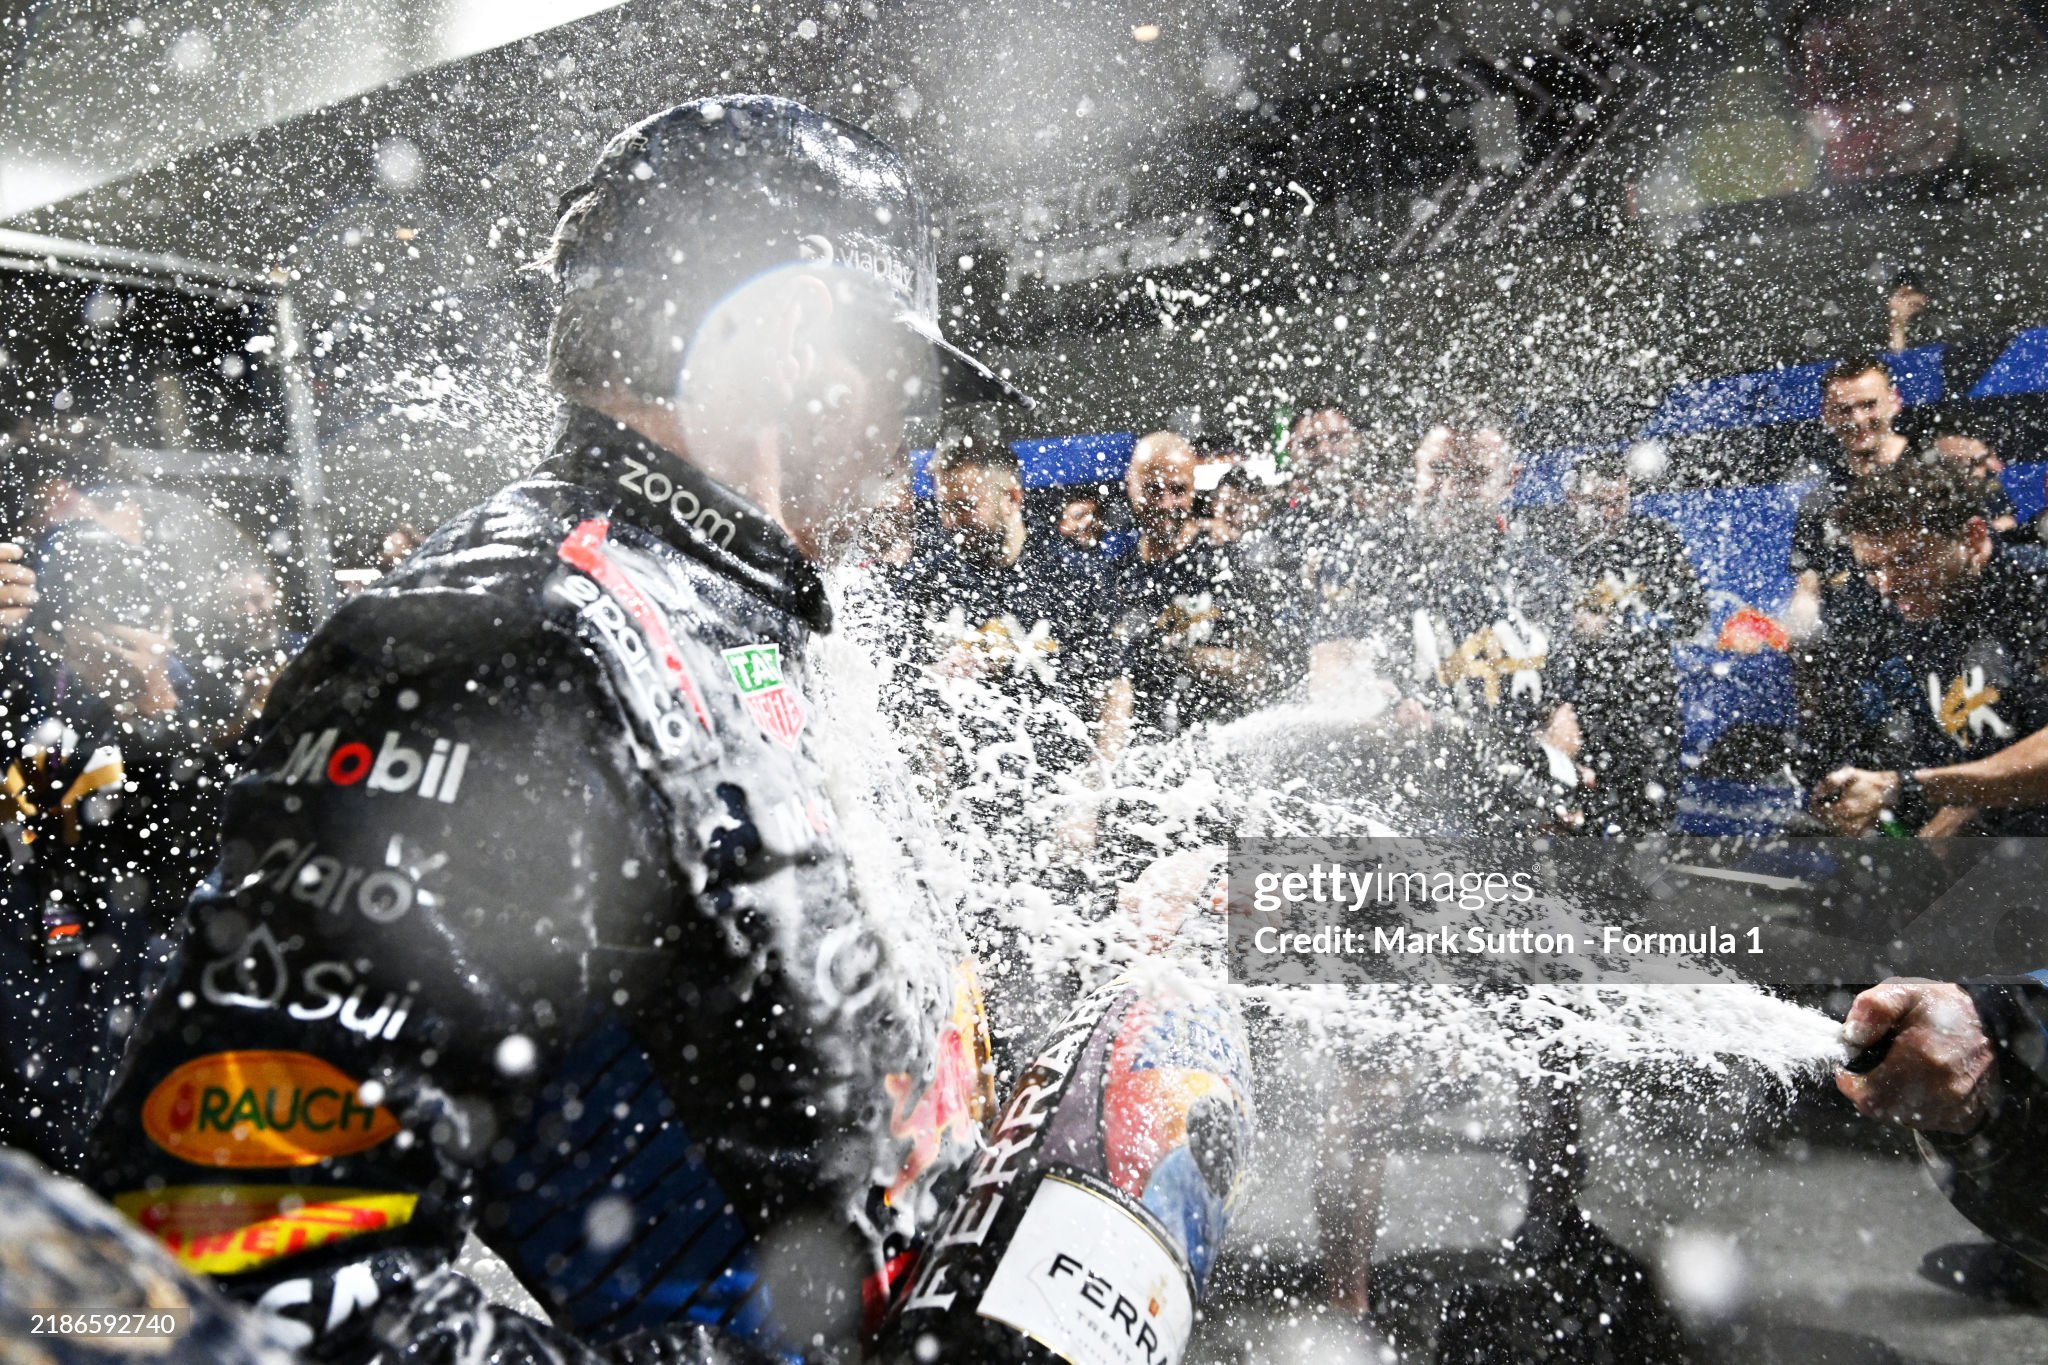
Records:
x=691, y=511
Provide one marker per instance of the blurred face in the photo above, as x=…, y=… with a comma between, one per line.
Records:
x=1970, y=453
x=1081, y=521
x=977, y=505
x=1161, y=485
x=398, y=544
x=1858, y=412
x=1462, y=479
x=252, y=595
x=807, y=368
x=1322, y=441
x=1234, y=508
x=1920, y=572
x=1599, y=505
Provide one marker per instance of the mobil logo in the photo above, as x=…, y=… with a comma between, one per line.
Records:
x=262, y=1109
x=433, y=771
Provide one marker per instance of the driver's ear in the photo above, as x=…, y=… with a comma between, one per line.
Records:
x=802, y=314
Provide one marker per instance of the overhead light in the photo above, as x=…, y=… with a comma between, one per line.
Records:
x=1145, y=33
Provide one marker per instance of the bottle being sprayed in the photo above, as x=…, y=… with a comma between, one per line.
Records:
x=1089, y=1222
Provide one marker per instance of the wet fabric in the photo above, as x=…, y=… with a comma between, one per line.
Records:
x=1634, y=596
x=1327, y=571
x=108, y=824
x=1850, y=612
x=1478, y=634
x=533, y=918
x=1996, y=1176
x=1035, y=631
x=1477, y=629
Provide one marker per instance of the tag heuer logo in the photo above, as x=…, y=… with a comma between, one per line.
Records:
x=773, y=703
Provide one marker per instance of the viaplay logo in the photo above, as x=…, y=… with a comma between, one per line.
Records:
x=244, y=1110
x=326, y=758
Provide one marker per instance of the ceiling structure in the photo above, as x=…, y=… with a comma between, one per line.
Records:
x=96, y=91
x=1186, y=210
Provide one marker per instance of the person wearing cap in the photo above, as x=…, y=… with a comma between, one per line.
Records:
x=541, y=913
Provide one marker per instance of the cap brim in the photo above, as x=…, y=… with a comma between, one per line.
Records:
x=963, y=379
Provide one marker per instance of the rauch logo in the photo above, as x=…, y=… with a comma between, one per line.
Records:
x=261, y=1109
x=393, y=767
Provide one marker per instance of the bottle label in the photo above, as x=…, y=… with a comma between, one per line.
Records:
x=1090, y=1278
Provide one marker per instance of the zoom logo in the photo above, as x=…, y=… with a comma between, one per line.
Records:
x=685, y=507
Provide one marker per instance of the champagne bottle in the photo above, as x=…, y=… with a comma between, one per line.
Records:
x=1045, y=1255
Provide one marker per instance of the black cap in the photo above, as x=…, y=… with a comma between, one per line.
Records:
x=810, y=187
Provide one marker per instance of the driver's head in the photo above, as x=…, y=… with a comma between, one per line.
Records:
x=759, y=279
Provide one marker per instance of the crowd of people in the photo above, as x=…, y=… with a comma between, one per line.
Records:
x=520, y=906
x=1399, y=587
x=1534, y=643
x=116, y=745
x=1516, y=665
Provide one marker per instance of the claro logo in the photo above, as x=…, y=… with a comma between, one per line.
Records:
x=392, y=767
x=261, y=1109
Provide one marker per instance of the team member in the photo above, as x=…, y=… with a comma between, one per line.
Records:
x=1953, y=714
x=1469, y=636
x=1007, y=608
x=109, y=798
x=1972, y=451
x=539, y=914
x=1965, y=1069
x=1634, y=595
x=1831, y=605
x=1188, y=613
x=1858, y=405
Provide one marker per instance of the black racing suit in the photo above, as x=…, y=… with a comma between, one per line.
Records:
x=1997, y=1176
x=536, y=917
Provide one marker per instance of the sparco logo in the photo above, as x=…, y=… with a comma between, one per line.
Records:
x=683, y=505
x=393, y=767
x=642, y=684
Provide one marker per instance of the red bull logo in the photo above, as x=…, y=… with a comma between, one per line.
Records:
x=960, y=1092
